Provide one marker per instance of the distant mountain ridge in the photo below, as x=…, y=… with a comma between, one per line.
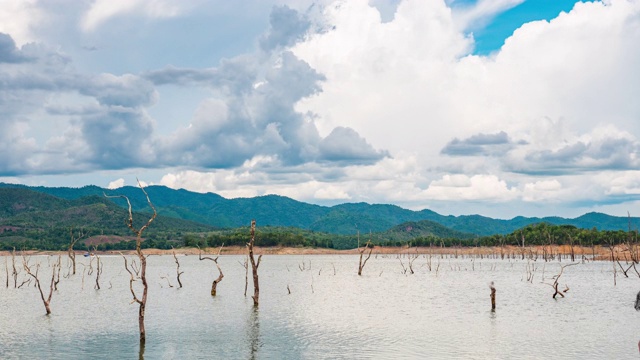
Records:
x=274, y=210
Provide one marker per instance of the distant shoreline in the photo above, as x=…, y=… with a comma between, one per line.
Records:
x=596, y=252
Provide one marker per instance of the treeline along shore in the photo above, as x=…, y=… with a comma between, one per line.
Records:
x=535, y=237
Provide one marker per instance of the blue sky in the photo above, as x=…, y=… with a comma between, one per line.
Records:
x=495, y=107
x=490, y=37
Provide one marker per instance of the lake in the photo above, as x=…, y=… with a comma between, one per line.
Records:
x=330, y=312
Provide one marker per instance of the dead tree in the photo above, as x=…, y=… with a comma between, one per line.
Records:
x=611, y=245
x=493, y=297
x=15, y=269
x=143, y=262
x=214, y=285
x=631, y=247
x=362, y=251
x=404, y=268
x=254, y=265
x=72, y=253
x=555, y=282
x=178, y=272
x=571, y=245
x=412, y=258
x=98, y=272
x=245, y=265
x=53, y=283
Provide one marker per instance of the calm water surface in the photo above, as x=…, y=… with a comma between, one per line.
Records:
x=331, y=312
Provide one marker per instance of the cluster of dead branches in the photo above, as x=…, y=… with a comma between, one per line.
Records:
x=53, y=285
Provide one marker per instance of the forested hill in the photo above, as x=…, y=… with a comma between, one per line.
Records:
x=215, y=211
x=19, y=207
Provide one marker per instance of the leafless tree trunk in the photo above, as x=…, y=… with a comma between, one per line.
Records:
x=404, y=268
x=632, y=248
x=15, y=270
x=254, y=265
x=178, y=272
x=412, y=258
x=98, y=272
x=571, y=245
x=614, y=259
x=246, y=274
x=214, y=285
x=53, y=283
x=143, y=263
x=493, y=296
x=72, y=253
x=90, y=271
x=363, y=263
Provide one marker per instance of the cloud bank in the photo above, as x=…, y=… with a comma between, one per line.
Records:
x=349, y=100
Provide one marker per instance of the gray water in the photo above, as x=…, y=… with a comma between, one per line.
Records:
x=331, y=312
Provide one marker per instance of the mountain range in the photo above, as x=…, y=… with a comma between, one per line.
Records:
x=201, y=212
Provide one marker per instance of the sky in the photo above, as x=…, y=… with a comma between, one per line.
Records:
x=501, y=108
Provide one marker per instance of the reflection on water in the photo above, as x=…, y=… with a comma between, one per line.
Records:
x=385, y=313
x=141, y=350
x=253, y=332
